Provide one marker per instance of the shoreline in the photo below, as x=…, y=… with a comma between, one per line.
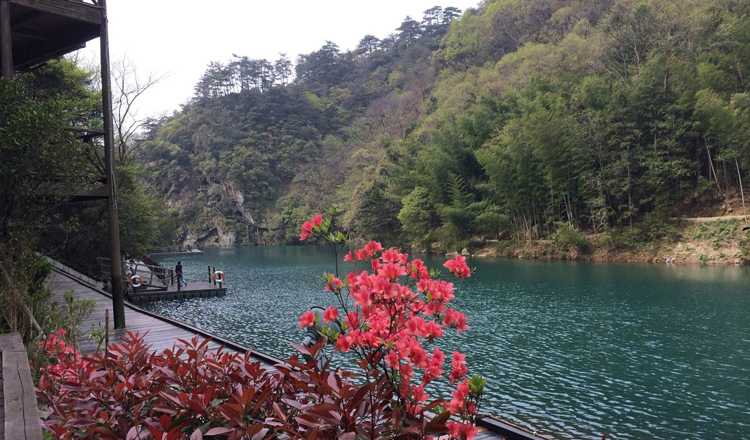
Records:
x=717, y=242
x=720, y=241
x=491, y=252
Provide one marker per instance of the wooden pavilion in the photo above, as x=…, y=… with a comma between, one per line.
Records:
x=35, y=31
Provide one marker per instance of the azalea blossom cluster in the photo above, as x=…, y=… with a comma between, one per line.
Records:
x=399, y=308
x=307, y=227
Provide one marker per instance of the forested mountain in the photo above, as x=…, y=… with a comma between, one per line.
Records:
x=520, y=119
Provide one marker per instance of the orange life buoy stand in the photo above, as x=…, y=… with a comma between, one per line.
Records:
x=219, y=276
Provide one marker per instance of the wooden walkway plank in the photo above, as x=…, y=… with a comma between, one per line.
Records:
x=20, y=412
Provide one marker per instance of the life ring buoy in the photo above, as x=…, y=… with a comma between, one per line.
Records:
x=136, y=281
x=219, y=276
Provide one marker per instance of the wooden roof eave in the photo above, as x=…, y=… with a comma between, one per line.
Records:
x=45, y=29
x=77, y=10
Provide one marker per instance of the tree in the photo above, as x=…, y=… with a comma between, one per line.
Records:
x=492, y=222
x=127, y=91
x=415, y=215
x=450, y=13
x=409, y=31
x=368, y=44
x=283, y=69
x=43, y=162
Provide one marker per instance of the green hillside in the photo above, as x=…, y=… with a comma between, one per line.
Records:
x=520, y=120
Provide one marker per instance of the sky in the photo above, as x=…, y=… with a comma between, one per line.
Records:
x=177, y=39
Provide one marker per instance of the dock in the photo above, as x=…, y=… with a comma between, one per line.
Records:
x=192, y=290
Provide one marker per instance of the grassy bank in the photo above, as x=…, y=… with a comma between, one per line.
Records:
x=681, y=241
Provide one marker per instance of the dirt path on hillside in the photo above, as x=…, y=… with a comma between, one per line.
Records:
x=712, y=219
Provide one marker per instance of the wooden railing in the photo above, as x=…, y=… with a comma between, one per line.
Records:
x=17, y=398
x=153, y=276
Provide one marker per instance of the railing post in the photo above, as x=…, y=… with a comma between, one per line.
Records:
x=214, y=275
x=209, y=274
x=6, y=45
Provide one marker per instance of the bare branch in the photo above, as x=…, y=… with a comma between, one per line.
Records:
x=128, y=88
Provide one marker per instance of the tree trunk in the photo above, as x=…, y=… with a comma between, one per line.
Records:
x=630, y=199
x=742, y=192
x=712, y=169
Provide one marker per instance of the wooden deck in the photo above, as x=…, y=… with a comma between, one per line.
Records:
x=18, y=408
x=162, y=333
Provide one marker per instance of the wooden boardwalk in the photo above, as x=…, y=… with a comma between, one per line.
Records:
x=162, y=333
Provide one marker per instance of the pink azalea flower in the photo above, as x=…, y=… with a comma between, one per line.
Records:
x=458, y=403
x=433, y=330
x=334, y=285
x=331, y=314
x=307, y=319
x=458, y=366
x=419, y=395
x=393, y=360
x=316, y=220
x=458, y=267
x=342, y=344
x=306, y=231
x=455, y=429
x=372, y=248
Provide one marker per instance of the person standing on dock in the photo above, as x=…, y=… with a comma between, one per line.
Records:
x=178, y=274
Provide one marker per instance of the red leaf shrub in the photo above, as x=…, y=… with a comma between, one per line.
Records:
x=190, y=392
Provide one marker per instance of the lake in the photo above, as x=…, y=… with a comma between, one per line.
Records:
x=573, y=350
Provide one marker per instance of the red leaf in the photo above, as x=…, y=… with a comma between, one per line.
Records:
x=222, y=430
x=165, y=421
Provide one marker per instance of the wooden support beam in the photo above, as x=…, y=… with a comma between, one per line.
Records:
x=6, y=45
x=21, y=19
x=30, y=36
x=87, y=196
x=66, y=42
x=118, y=299
x=19, y=400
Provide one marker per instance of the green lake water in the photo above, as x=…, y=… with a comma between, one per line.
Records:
x=574, y=350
